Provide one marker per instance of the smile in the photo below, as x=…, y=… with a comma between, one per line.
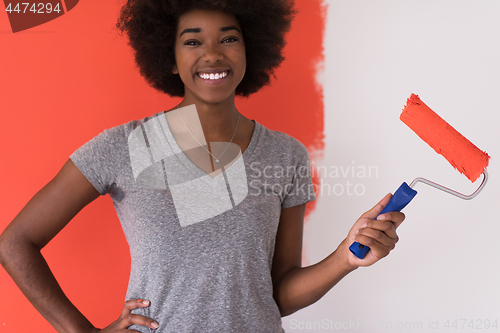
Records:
x=213, y=76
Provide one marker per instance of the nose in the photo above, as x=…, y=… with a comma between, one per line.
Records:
x=213, y=53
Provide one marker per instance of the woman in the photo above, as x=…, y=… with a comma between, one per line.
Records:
x=211, y=202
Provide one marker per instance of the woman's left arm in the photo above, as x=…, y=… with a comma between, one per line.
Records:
x=296, y=287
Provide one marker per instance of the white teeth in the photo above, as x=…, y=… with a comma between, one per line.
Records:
x=213, y=76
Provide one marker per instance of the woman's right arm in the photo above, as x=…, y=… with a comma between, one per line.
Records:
x=39, y=221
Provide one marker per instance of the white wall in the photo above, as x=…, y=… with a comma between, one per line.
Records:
x=445, y=267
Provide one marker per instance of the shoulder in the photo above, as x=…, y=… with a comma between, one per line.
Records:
x=281, y=142
x=111, y=142
x=126, y=128
x=120, y=133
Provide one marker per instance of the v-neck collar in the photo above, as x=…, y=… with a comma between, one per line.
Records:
x=192, y=167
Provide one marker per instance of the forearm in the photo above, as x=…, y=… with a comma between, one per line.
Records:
x=302, y=287
x=31, y=273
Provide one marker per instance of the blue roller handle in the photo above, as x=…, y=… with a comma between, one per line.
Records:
x=399, y=200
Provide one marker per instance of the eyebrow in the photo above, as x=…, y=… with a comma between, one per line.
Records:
x=196, y=30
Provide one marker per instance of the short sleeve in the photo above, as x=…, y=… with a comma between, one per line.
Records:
x=98, y=159
x=301, y=189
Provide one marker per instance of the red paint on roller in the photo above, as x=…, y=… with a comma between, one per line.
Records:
x=444, y=139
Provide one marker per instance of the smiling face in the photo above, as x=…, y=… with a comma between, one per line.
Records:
x=210, y=56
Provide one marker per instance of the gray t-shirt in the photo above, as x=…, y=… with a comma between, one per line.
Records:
x=201, y=247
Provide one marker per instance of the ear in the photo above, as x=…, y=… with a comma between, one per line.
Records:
x=175, y=70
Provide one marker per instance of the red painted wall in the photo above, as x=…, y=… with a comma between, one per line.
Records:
x=65, y=81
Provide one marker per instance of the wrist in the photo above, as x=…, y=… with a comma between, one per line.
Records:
x=83, y=326
x=341, y=258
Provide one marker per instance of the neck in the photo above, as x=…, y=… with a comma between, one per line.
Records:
x=217, y=120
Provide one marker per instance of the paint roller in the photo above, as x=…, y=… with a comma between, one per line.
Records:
x=446, y=141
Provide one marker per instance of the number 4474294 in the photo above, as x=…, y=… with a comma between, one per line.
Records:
x=471, y=323
x=46, y=8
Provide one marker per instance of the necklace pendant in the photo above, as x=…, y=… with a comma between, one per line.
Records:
x=217, y=160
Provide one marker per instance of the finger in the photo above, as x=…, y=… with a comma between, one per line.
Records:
x=386, y=227
x=135, y=319
x=395, y=217
x=134, y=304
x=375, y=211
x=127, y=318
x=375, y=238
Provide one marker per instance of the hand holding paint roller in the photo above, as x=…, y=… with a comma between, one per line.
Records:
x=445, y=140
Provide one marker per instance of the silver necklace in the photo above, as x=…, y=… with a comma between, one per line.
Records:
x=217, y=160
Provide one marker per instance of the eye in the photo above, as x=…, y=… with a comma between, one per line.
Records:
x=230, y=40
x=191, y=42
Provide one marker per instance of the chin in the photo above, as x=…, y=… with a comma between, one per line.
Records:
x=211, y=98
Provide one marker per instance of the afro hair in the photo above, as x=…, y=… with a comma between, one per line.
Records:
x=151, y=26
